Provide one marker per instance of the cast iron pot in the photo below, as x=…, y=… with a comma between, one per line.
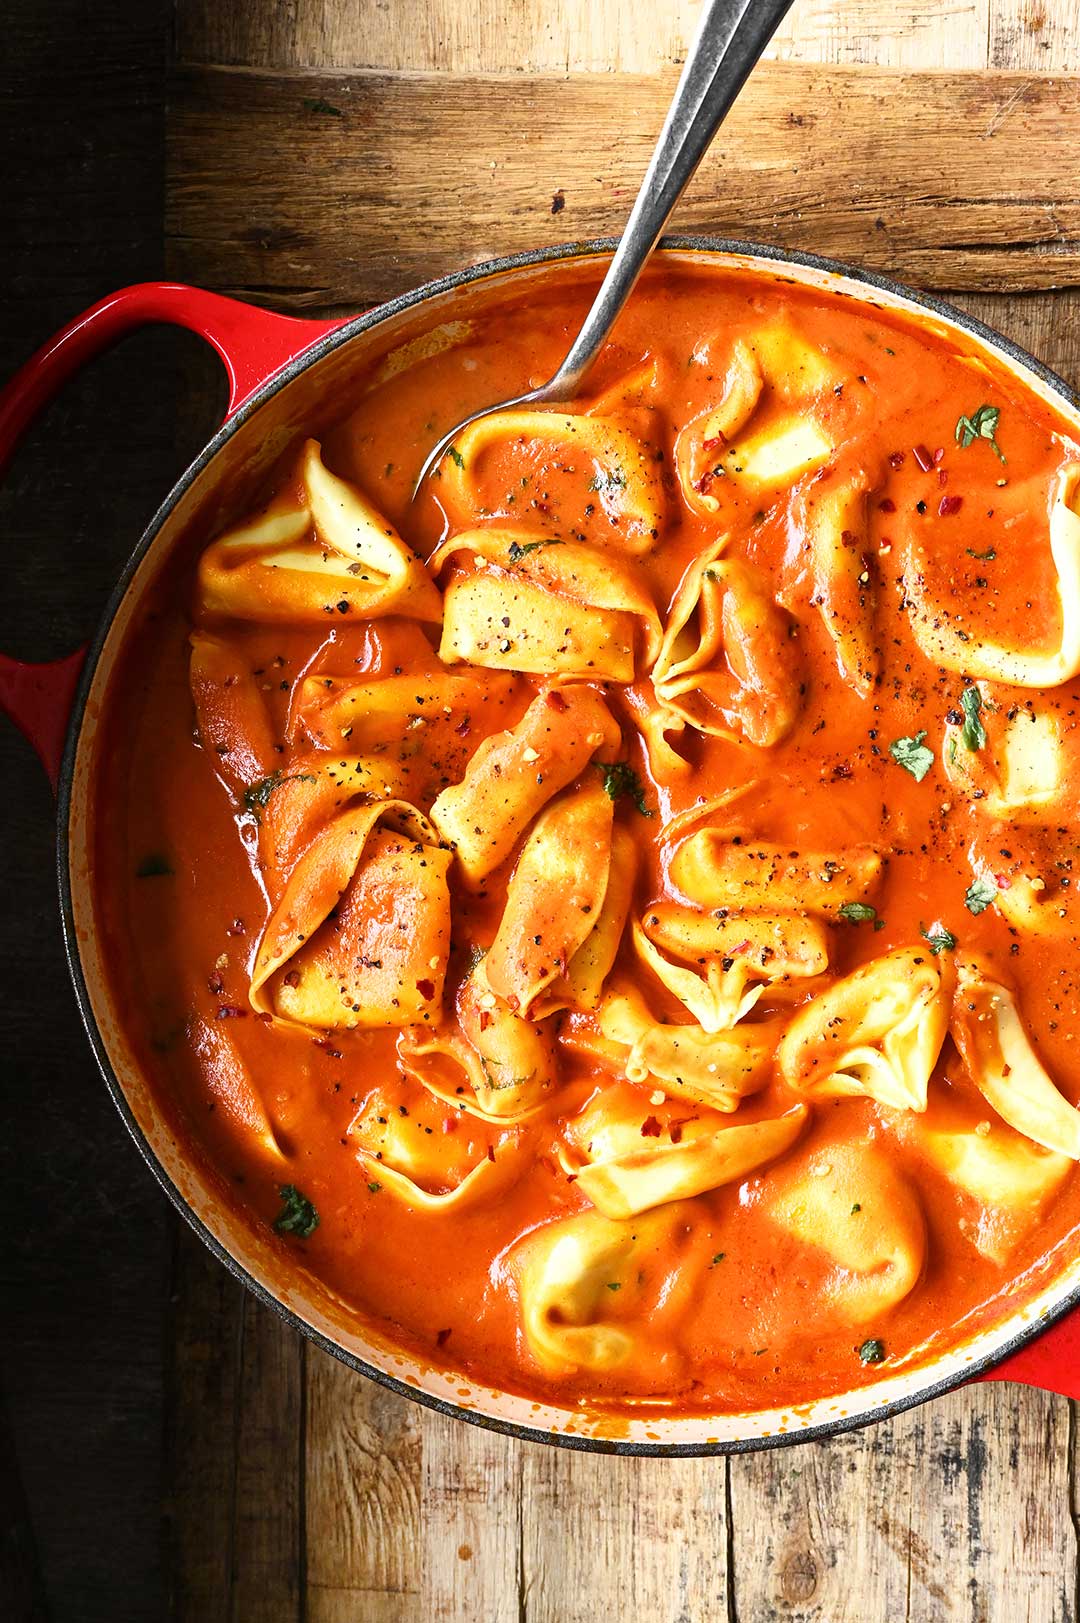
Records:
x=282, y=374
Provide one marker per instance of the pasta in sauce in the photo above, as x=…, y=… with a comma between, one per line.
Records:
x=614, y=917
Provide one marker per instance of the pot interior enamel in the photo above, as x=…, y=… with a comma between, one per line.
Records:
x=216, y=490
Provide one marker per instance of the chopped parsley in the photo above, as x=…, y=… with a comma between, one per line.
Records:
x=613, y=1285
x=872, y=1351
x=973, y=733
x=257, y=795
x=519, y=549
x=298, y=1216
x=373, y=1188
x=937, y=938
x=858, y=912
x=980, y=893
x=913, y=755
x=856, y=1208
x=154, y=866
x=986, y=557
x=981, y=425
x=719, y=1257
x=621, y=779
x=455, y=456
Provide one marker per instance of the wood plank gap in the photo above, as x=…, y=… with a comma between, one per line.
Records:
x=730, y=1598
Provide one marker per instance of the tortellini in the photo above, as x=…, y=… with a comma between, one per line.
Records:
x=599, y=1295
x=725, y=963
x=514, y=774
x=555, y=895
x=718, y=869
x=361, y=935
x=514, y=601
x=628, y=1156
x=838, y=576
x=431, y=1156
x=1005, y=1068
x=941, y=633
x=230, y=712
x=319, y=548
x=729, y=663
x=876, y=1033
x=1021, y=772
x=713, y=1068
x=848, y=1203
x=616, y=468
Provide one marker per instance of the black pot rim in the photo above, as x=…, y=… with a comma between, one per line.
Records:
x=350, y=329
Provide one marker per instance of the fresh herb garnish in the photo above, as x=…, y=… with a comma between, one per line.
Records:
x=938, y=939
x=872, y=1351
x=986, y=557
x=317, y=104
x=518, y=549
x=613, y=1285
x=615, y=480
x=455, y=456
x=980, y=893
x=973, y=732
x=621, y=779
x=154, y=866
x=298, y=1216
x=257, y=796
x=374, y=1188
x=913, y=755
x=981, y=425
x=856, y=1208
x=719, y=1257
x=858, y=912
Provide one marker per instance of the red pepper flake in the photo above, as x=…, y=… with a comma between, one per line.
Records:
x=426, y=988
x=216, y=983
x=841, y=770
x=849, y=538
x=886, y=505
x=950, y=504
x=237, y=927
x=715, y=443
x=702, y=485
x=490, y=1152
x=897, y=459
x=292, y=978
x=943, y=476
x=938, y=454
x=463, y=728
x=1002, y=881
x=555, y=699
x=676, y=1132
x=442, y=1337
x=231, y=1011
x=922, y=457
x=650, y=1127
x=265, y=1016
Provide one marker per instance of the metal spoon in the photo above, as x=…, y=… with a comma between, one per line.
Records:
x=731, y=36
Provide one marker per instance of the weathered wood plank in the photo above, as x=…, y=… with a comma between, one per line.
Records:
x=596, y=1528
x=565, y=36
x=955, y=1513
x=362, y=1498
x=921, y=34
x=471, y=1525
x=1042, y=35
x=274, y=195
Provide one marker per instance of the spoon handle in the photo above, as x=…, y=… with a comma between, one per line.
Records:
x=731, y=36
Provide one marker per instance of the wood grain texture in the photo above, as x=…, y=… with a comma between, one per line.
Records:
x=959, y=1510
x=363, y=1498
x=1041, y=35
x=594, y=1526
x=472, y=1526
x=312, y=191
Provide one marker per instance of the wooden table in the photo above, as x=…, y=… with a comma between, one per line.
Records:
x=319, y=155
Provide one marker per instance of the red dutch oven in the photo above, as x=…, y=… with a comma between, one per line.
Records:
x=282, y=372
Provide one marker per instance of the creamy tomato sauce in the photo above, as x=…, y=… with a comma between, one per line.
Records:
x=811, y=734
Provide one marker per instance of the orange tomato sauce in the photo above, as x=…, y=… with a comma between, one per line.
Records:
x=183, y=906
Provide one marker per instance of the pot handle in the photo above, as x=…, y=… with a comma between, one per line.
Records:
x=1050, y=1362
x=254, y=345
